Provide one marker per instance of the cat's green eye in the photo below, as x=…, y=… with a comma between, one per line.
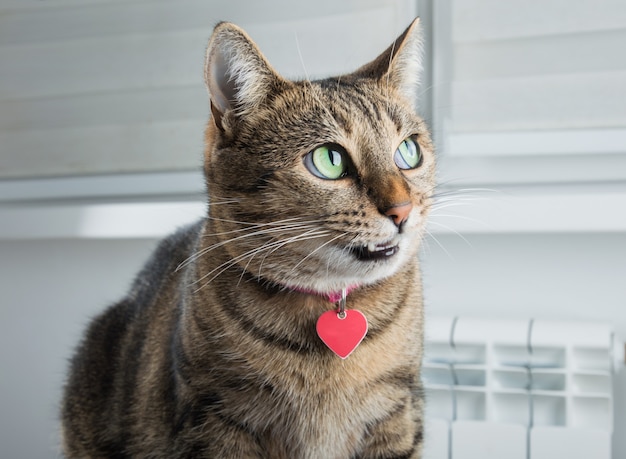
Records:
x=327, y=162
x=408, y=155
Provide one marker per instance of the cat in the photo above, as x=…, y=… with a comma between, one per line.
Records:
x=318, y=195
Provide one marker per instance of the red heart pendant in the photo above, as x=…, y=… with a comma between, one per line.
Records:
x=342, y=336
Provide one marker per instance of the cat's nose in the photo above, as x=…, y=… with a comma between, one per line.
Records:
x=399, y=213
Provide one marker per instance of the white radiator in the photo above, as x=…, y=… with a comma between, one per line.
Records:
x=519, y=389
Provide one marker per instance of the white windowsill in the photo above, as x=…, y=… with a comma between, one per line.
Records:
x=549, y=209
x=159, y=212
x=529, y=143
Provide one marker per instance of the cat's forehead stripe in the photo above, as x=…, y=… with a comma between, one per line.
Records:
x=342, y=118
x=367, y=101
x=358, y=97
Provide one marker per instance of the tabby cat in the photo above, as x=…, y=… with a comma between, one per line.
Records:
x=318, y=194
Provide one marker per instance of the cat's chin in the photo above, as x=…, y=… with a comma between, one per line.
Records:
x=362, y=265
x=376, y=272
x=375, y=265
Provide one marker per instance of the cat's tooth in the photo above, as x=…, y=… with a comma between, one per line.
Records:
x=372, y=247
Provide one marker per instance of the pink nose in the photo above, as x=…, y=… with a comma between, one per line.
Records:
x=399, y=213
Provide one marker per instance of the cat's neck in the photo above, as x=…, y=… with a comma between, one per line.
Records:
x=332, y=297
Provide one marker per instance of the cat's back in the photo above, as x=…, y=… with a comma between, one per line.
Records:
x=105, y=370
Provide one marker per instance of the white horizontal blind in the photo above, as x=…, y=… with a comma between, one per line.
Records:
x=521, y=77
x=106, y=86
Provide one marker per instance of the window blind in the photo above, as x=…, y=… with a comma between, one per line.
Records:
x=105, y=86
x=541, y=79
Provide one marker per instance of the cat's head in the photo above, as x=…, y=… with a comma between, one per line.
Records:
x=317, y=185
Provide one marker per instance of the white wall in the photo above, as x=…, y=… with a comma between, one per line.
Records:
x=50, y=288
x=575, y=276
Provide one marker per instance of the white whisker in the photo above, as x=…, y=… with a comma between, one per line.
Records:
x=251, y=253
x=388, y=85
x=319, y=248
x=210, y=248
x=214, y=202
x=306, y=74
x=238, y=222
x=288, y=241
x=432, y=236
x=452, y=230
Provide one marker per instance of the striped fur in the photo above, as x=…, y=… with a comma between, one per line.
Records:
x=213, y=353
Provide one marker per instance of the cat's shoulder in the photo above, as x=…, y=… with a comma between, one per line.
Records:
x=168, y=258
x=162, y=266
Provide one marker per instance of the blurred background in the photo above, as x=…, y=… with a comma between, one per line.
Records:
x=102, y=108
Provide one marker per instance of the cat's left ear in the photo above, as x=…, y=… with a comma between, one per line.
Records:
x=400, y=65
x=237, y=75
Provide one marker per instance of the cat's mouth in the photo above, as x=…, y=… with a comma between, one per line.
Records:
x=374, y=251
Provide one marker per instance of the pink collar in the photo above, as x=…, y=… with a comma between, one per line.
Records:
x=332, y=297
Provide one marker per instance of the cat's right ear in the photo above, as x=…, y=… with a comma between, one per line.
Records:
x=237, y=75
x=400, y=65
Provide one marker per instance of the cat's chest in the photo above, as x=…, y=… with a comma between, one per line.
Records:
x=332, y=429
x=331, y=423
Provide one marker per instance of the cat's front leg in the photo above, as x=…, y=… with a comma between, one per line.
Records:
x=398, y=435
x=222, y=439
x=213, y=431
